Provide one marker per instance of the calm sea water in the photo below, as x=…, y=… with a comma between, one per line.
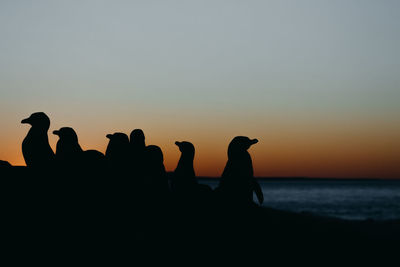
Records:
x=352, y=199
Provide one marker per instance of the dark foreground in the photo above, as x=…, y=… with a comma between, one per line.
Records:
x=98, y=219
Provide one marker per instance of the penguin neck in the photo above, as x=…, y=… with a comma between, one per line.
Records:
x=186, y=162
x=238, y=155
x=72, y=146
x=38, y=132
x=240, y=164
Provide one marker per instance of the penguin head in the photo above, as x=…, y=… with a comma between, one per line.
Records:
x=118, y=139
x=38, y=120
x=154, y=156
x=67, y=134
x=185, y=147
x=240, y=144
x=118, y=145
x=137, y=138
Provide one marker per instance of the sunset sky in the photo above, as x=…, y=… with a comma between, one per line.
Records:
x=316, y=82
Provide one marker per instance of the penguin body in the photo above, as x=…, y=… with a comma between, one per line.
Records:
x=35, y=147
x=137, y=140
x=184, y=177
x=68, y=151
x=155, y=176
x=117, y=153
x=237, y=181
x=137, y=149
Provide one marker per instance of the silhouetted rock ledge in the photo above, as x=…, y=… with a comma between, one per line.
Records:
x=98, y=215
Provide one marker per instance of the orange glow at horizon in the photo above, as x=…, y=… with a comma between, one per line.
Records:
x=355, y=150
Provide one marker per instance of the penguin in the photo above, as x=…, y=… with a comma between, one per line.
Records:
x=156, y=180
x=68, y=150
x=117, y=152
x=184, y=184
x=35, y=147
x=237, y=180
x=137, y=147
x=137, y=140
x=184, y=177
x=154, y=197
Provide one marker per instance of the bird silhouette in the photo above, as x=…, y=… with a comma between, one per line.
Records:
x=184, y=177
x=156, y=180
x=137, y=140
x=35, y=147
x=68, y=150
x=237, y=181
x=117, y=152
x=137, y=147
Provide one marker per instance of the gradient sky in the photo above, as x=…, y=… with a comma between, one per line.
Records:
x=317, y=82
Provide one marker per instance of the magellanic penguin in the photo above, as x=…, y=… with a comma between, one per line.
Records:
x=117, y=152
x=137, y=147
x=155, y=176
x=68, y=150
x=137, y=140
x=35, y=147
x=237, y=181
x=184, y=177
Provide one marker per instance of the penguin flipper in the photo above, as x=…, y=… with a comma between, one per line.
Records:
x=257, y=189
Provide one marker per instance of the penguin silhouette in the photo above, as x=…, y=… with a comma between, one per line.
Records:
x=117, y=153
x=35, y=147
x=184, y=184
x=137, y=147
x=68, y=150
x=184, y=177
x=137, y=140
x=156, y=180
x=237, y=181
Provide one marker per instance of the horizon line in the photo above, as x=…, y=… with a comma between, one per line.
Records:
x=283, y=177
x=306, y=178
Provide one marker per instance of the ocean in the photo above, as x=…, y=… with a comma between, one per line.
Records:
x=345, y=199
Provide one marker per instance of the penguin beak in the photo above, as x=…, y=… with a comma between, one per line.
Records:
x=26, y=121
x=56, y=132
x=254, y=141
x=109, y=136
